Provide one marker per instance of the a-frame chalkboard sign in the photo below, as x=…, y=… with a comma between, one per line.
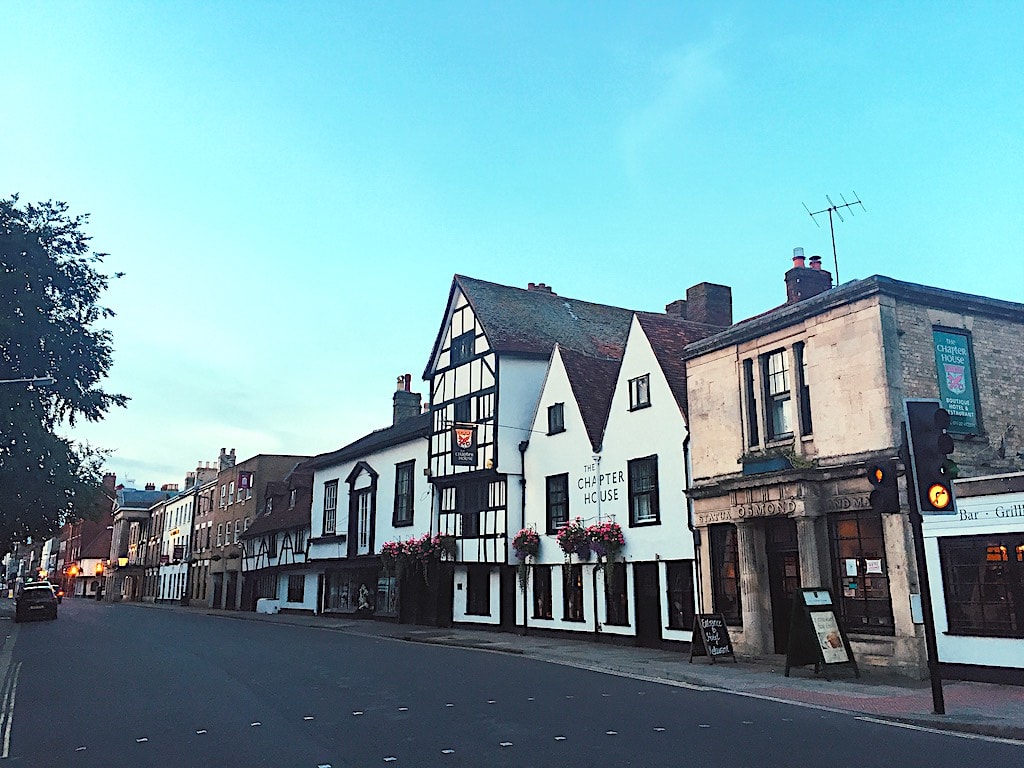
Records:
x=815, y=635
x=710, y=637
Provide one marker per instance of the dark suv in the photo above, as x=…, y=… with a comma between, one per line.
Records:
x=36, y=601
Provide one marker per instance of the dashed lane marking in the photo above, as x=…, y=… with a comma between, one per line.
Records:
x=505, y=744
x=80, y=749
x=143, y=740
x=200, y=731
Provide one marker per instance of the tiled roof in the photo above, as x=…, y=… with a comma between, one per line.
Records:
x=593, y=382
x=669, y=337
x=409, y=429
x=524, y=322
x=282, y=517
x=133, y=499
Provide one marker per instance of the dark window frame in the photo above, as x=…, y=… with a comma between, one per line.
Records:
x=462, y=410
x=772, y=398
x=463, y=348
x=330, y=530
x=616, y=597
x=404, y=499
x=640, y=392
x=869, y=609
x=632, y=470
x=542, y=607
x=750, y=396
x=296, y=585
x=478, y=590
x=680, y=594
x=556, y=418
x=803, y=391
x=572, y=593
x=983, y=582
x=555, y=486
x=726, y=593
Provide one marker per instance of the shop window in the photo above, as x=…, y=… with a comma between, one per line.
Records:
x=861, y=572
x=616, y=600
x=296, y=588
x=478, y=590
x=983, y=579
x=680, y=594
x=572, y=592
x=725, y=572
x=542, y=592
x=557, y=502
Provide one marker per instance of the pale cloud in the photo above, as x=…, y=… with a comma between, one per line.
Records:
x=681, y=81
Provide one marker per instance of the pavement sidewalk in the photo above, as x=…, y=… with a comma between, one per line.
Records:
x=971, y=708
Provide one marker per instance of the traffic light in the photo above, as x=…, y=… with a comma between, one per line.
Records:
x=930, y=446
x=886, y=496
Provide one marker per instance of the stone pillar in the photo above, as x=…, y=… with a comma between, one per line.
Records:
x=812, y=534
x=755, y=594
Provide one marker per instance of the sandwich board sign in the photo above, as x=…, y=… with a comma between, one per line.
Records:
x=710, y=637
x=815, y=636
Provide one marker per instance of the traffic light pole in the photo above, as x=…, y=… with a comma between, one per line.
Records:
x=931, y=644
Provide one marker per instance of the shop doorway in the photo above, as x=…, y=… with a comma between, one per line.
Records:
x=783, y=550
x=648, y=604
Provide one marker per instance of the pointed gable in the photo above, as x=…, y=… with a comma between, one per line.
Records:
x=593, y=383
x=668, y=337
x=531, y=322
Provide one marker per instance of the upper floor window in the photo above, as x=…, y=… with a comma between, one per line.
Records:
x=463, y=347
x=556, y=418
x=557, y=501
x=293, y=495
x=220, y=534
x=464, y=411
x=803, y=392
x=330, y=507
x=223, y=495
x=640, y=392
x=231, y=492
x=643, y=491
x=272, y=545
x=238, y=530
x=778, y=412
x=750, y=398
x=404, y=474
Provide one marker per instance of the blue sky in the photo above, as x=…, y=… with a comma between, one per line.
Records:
x=289, y=187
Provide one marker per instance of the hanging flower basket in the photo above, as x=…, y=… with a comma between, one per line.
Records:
x=573, y=540
x=416, y=554
x=526, y=543
x=606, y=541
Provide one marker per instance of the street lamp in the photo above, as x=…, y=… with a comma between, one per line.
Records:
x=36, y=381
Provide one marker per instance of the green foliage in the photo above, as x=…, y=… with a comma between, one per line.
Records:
x=49, y=326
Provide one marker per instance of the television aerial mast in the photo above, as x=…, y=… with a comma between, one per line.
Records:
x=833, y=208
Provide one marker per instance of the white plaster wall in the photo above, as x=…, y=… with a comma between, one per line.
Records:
x=519, y=386
x=460, y=592
x=661, y=430
x=977, y=515
x=308, y=593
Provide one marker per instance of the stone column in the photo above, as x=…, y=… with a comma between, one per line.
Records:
x=755, y=594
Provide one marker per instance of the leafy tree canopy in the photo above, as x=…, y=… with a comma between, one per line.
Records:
x=50, y=316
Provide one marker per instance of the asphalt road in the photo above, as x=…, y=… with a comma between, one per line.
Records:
x=128, y=685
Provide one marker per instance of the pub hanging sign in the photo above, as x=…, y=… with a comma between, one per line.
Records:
x=956, y=380
x=464, y=445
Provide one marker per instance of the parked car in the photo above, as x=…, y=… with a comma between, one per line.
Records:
x=35, y=601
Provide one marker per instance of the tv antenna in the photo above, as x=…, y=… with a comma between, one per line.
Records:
x=833, y=208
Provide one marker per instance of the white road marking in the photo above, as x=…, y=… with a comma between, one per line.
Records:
x=505, y=744
x=925, y=729
x=606, y=695
x=490, y=701
x=612, y=733
x=748, y=722
x=143, y=740
x=559, y=738
x=357, y=712
x=324, y=765
x=11, y=690
x=403, y=709
x=449, y=705
x=447, y=751
x=703, y=725
x=255, y=725
x=201, y=731
x=80, y=749
x=390, y=759
x=659, y=730
x=529, y=698
x=308, y=717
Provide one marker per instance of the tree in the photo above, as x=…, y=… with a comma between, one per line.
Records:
x=50, y=319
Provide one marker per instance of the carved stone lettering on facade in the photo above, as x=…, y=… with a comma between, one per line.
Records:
x=780, y=508
x=848, y=503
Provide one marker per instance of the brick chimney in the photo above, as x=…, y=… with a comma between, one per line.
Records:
x=150, y=486
x=709, y=303
x=676, y=309
x=226, y=460
x=110, y=481
x=540, y=288
x=406, y=404
x=803, y=282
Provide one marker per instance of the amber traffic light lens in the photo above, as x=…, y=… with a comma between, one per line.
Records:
x=938, y=495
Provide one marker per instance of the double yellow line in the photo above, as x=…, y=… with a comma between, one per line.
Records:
x=10, y=675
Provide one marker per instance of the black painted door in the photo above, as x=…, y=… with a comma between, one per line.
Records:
x=648, y=604
x=783, y=552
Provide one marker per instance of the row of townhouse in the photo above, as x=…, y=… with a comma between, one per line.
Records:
x=733, y=457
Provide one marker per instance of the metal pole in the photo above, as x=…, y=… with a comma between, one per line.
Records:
x=931, y=645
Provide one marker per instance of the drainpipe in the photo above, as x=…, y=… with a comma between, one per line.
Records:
x=593, y=572
x=688, y=465
x=523, y=445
